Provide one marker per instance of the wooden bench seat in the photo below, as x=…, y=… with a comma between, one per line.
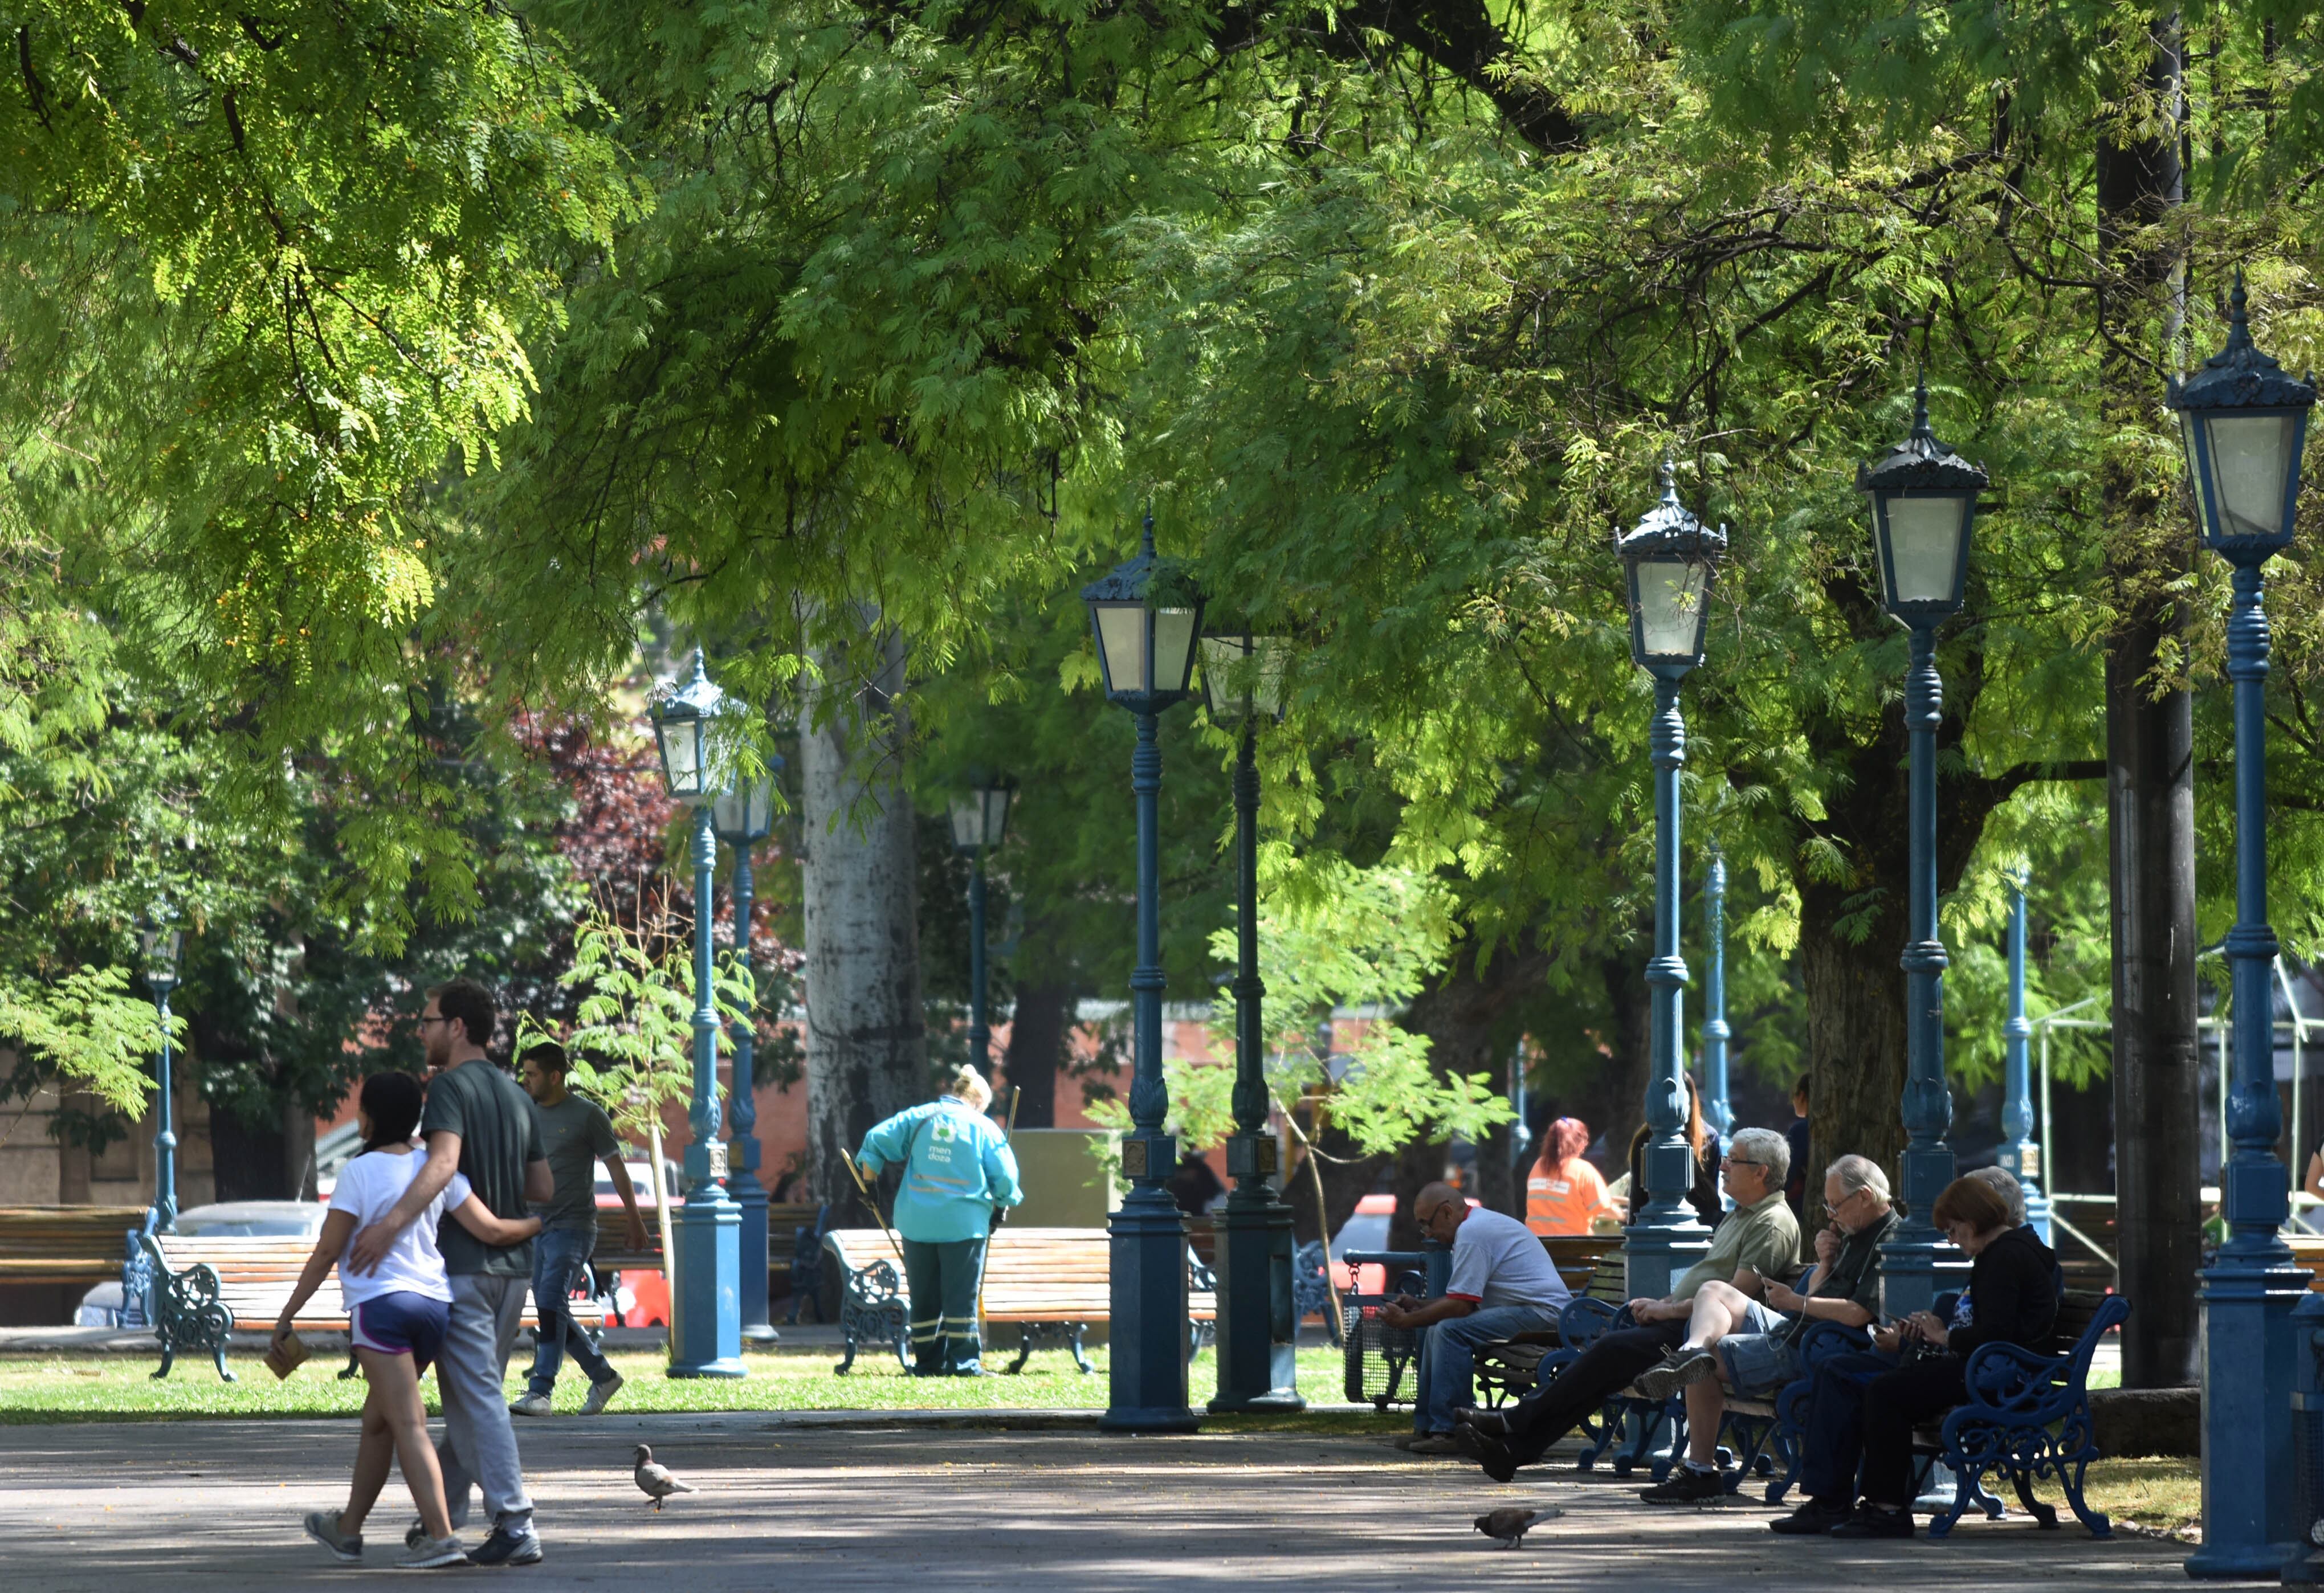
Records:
x=1046, y=1281
x=65, y=1244
x=204, y=1288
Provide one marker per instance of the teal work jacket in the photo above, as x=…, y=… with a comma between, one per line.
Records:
x=957, y=1167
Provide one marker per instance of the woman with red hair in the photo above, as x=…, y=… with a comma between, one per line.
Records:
x=1564, y=1193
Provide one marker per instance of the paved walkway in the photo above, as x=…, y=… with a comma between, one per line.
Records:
x=890, y=1503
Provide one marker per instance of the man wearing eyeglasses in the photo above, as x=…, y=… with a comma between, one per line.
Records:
x=1502, y=1282
x=1760, y=1237
x=1755, y=1345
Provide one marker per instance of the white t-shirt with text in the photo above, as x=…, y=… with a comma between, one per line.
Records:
x=1498, y=1260
x=369, y=1187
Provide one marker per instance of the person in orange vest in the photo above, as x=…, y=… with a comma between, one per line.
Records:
x=1564, y=1193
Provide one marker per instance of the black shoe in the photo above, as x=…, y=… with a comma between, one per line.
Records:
x=1872, y=1522
x=1813, y=1519
x=1499, y=1462
x=1491, y=1423
x=1685, y=1486
x=502, y=1549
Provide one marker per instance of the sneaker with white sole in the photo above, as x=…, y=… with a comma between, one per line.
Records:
x=323, y=1526
x=506, y=1548
x=601, y=1395
x=1679, y=1368
x=433, y=1553
x=530, y=1404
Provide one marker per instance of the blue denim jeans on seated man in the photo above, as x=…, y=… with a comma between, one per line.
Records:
x=559, y=1255
x=1448, y=1362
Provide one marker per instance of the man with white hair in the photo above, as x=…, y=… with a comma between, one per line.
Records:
x=1759, y=1237
x=1754, y=1344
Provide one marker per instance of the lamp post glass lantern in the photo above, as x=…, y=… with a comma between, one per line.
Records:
x=979, y=823
x=1257, y=1331
x=1923, y=501
x=742, y=816
x=1670, y=562
x=1145, y=617
x=2244, y=420
x=695, y=733
x=161, y=941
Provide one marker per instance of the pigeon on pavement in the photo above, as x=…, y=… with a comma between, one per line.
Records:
x=1508, y=1525
x=658, y=1482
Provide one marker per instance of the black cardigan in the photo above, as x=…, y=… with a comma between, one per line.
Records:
x=2013, y=1295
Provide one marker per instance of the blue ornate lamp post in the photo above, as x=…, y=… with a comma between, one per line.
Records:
x=743, y=818
x=979, y=823
x=1257, y=1324
x=2244, y=422
x=2018, y=1154
x=1668, y=558
x=1146, y=616
x=161, y=941
x=1923, y=501
x=1717, y=1112
x=691, y=732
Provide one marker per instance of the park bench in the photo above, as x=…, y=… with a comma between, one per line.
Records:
x=200, y=1288
x=1591, y=1265
x=1050, y=1284
x=64, y=1244
x=2028, y=1415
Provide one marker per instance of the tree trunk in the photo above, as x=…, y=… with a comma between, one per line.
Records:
x=1038, y=1035
x=866, y=1036
x=1464, y=1015
x=1614, y=1102
x=1856, y=1024
x=2150, y=786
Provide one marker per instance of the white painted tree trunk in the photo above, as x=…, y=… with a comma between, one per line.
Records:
x=866, y=1036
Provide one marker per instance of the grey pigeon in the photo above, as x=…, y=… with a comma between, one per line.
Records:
x=658, y=1482
x=1508, y=1525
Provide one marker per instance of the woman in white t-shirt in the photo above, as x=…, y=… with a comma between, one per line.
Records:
x=396, y=1315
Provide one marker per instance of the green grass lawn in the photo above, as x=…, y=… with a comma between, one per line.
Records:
x=107, y=1388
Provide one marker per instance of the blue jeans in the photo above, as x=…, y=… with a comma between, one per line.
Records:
x=1448, y=1363
x=559, y=1255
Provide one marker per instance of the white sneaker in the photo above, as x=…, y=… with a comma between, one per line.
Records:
x=531, y=1405
x=601, y=1395
x=429, y=1553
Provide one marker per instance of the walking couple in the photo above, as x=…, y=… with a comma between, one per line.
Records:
x=453, y=1296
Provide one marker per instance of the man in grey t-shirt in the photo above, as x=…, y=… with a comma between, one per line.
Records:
x=578, y=1135
x=1502, y=1282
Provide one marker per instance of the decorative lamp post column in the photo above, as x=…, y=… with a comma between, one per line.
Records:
x=161, y=941
x=2018, y=1154
x=743, y=818
x=979, y=823
x=1717, y=1113
x=691, y=732
x=1923, y=502
x=1258, y=1326
x=1146, y=616
x=1668, y=558
x=2244, y=422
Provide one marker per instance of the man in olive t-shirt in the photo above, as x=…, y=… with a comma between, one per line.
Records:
x=578, y=1136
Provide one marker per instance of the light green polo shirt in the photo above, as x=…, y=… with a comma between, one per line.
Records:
x=1764, y=1238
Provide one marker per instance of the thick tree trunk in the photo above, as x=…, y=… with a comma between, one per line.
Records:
x=867, y=1053
x=1465, y=1015
x=1038, y=1035
x=1855, y=1024
x=2150, y=787
x=1614, y=1102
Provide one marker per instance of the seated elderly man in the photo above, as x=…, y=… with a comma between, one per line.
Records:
x=1754, y=1344
x=1502, y=1282
x=1759, y=1237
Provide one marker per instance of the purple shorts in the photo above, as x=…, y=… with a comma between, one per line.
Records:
x=402, y=1324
